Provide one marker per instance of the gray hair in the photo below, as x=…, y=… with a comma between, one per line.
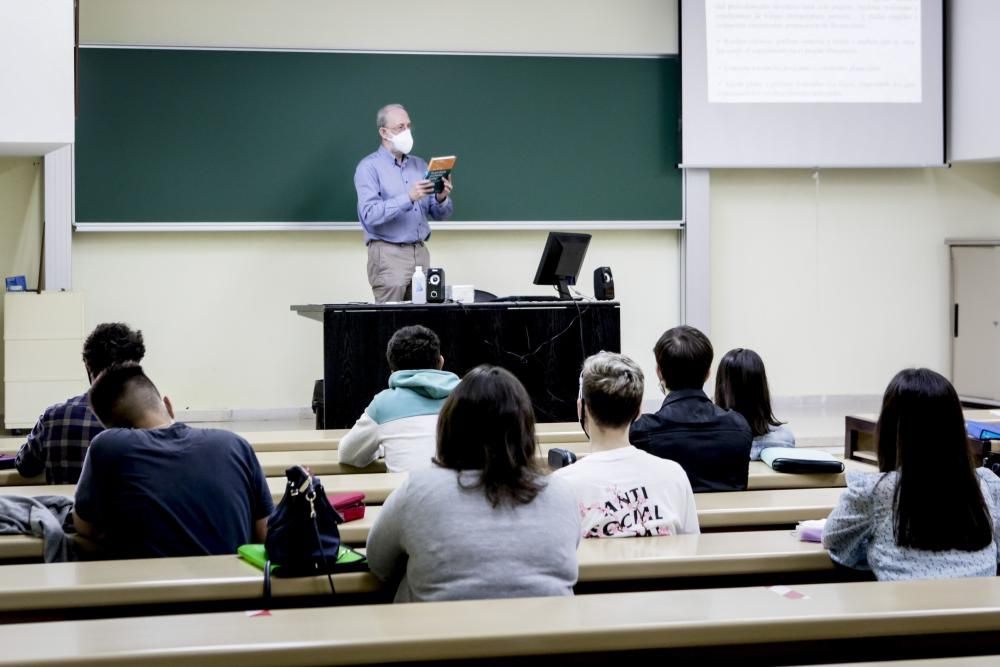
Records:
x=612, y=385
x=381, y=118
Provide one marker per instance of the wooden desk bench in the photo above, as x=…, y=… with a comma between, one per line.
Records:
x=294, y=441
x=378, y=486
x=716, y=512
x=164, y=581
x=755, y=625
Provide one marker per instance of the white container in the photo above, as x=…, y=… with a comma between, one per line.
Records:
x=418, y=288
x=463, y=293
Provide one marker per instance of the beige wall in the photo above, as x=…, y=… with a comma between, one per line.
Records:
x=841, y=284
x=214, y=308
x=549, y=26
x=20, y=226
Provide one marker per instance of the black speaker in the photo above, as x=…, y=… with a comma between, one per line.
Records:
x=435, y=285
x=604, y=284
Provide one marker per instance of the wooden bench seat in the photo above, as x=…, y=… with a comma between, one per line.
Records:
x=831, y=620
x=207, y=578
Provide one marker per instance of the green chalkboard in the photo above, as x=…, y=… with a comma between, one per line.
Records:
x=265, y=136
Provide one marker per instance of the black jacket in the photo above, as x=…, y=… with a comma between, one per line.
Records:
x=711, y=444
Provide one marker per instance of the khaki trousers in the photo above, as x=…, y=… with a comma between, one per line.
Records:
x=391, y=266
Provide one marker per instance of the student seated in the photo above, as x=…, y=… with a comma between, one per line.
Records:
x=930, y=513
x=484, y=521
x=711, y=444
x=741, y=385
x=399, y=423
x=58, y=442
x=623, y=491
x=154, y=487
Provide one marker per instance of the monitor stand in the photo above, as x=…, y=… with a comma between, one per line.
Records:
x=562, y=284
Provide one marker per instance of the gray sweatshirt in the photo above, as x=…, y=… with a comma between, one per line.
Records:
x=448, y=543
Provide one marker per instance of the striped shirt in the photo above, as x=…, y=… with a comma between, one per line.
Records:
x=58, y=443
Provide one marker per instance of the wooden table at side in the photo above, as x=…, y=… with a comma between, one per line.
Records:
x=859, y=434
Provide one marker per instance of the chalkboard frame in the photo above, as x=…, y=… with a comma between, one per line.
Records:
x=674, y=221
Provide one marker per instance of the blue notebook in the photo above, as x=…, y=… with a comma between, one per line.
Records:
x=983, y=430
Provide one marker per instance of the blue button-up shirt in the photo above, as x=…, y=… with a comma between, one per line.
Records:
x=384, y=206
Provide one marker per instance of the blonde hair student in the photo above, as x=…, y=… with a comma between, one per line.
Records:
x=623, y=491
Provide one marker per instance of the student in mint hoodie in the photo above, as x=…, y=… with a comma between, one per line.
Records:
x=401, y=422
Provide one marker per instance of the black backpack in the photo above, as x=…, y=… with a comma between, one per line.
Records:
x=302, y=535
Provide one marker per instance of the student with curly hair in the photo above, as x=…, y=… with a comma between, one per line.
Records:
x=399, y=423
x=58, y=443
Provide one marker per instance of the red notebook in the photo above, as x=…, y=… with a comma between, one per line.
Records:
x=350, y=505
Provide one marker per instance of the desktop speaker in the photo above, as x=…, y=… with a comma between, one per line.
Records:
x=435, y=285
x=604, y=284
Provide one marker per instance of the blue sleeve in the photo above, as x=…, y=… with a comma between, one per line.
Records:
x=372, y=209
x=442, y=210
x=30, y=459
x=848, y=530
x=89, y=497
x=261, y=503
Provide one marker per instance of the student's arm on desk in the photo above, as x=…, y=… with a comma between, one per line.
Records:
x=848, y=529
x=88, y=538
x=30, y=459
x=260, y=531
x=990, y=480
x=88, y=499
x=261, y=503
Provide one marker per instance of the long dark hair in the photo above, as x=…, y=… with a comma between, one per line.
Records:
x=488, y=424
x=938, y=503
x=741, y=385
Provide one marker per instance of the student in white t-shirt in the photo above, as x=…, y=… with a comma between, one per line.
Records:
x=623, y=491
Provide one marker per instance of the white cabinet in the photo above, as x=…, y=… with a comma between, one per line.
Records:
x=975, y=280
x=36, y=76
x=43, y=338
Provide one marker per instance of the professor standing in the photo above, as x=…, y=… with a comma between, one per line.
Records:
x=394, y=202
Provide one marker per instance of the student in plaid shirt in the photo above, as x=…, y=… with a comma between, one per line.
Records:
x=58, y=443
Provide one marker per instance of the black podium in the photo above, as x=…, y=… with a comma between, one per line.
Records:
x=542, y=343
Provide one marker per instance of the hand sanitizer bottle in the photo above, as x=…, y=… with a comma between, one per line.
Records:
x=418, y=288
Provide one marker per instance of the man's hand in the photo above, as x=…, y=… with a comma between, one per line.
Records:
x=420, y=189
x=441, y=196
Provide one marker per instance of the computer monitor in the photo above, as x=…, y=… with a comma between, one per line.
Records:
x=561, y=261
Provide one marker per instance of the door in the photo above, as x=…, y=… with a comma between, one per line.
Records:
x=975, y=274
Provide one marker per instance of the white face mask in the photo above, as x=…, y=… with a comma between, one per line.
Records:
x=403, y=142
